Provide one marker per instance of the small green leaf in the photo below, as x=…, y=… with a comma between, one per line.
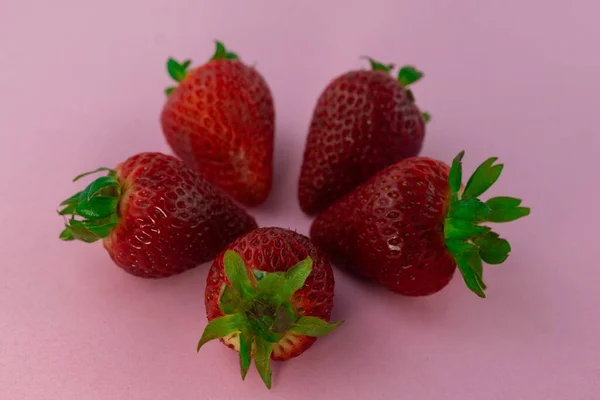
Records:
x=72, y=200
x=169, y=90
x=221, y=327
x=176, y=70
x=78, y=177
x=262, y=360
x=455, y=176
x=509, y=214
x=66, y=235
x=186, y=63
x=245, y=352
x=93, y=230
x=271, y=283
x=470, y=210
x=409, y=75
x=296, y=276
x=503, y=202
x=79, y=231
x=426, y=117
x=506, y=209
x=237, y=273
x=469, y=275
x=101, y=228
x=97, y=207
x=483, y=178
x=492, y=248
x=231, y=56
x=313, y=326
x=461, y=229
x=70, y=209
x=220, y=50
x=377, y=66
x=230, y=301
x=472, y=257
x=457, y=247
x=105, y=184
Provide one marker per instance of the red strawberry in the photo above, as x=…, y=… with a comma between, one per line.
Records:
x=156, y=216
x=363, y=122
x=269, y=295
x=410, y=225
x=220, y=119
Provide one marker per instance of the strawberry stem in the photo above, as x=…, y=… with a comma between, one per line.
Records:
x=259, y=309
x=468, y=241
x=92, y=213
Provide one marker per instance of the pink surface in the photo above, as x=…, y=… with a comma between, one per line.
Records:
x=81, y=86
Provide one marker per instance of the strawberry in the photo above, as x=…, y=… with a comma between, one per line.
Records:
x=155, y=215
x=269, y=295
x=411, y=225
x=363, y=122
x=220, y=119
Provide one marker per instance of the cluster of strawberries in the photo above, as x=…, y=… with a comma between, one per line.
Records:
x=384, y=213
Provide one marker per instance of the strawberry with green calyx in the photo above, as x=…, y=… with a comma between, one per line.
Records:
x=155, y=216
x=178, y=71
x=261, y=312
x=363, y=122
x=220, y=119
x=411, y=225
x=270, y=295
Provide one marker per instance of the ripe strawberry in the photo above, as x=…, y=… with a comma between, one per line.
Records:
x=270, y=295
x=410, y=225
x=220, y=119
x=156, y=216
x=363, y=122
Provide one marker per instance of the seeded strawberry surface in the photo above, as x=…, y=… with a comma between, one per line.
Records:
x=391, y=228
x=412, y=224
x=220, y=120
x=277, y=250
x=156, y=216
x=363, y=122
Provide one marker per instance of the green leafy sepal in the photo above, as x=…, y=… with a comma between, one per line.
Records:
x=257, y=305
x=470, y=242
x=92, y=213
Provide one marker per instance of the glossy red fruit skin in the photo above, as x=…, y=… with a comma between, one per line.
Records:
x=362, y=123
x=221, y=121
x=276, y=249
x=391, y=228
x=170, y=219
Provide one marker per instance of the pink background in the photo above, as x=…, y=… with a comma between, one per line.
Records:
x=81, y=85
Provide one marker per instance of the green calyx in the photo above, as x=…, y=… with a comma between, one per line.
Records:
x=92, y=213
x=221, y=53
x=178, y=71
x=259, y=310
x=407, y=75
x=470, y=242
x=378, y=66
